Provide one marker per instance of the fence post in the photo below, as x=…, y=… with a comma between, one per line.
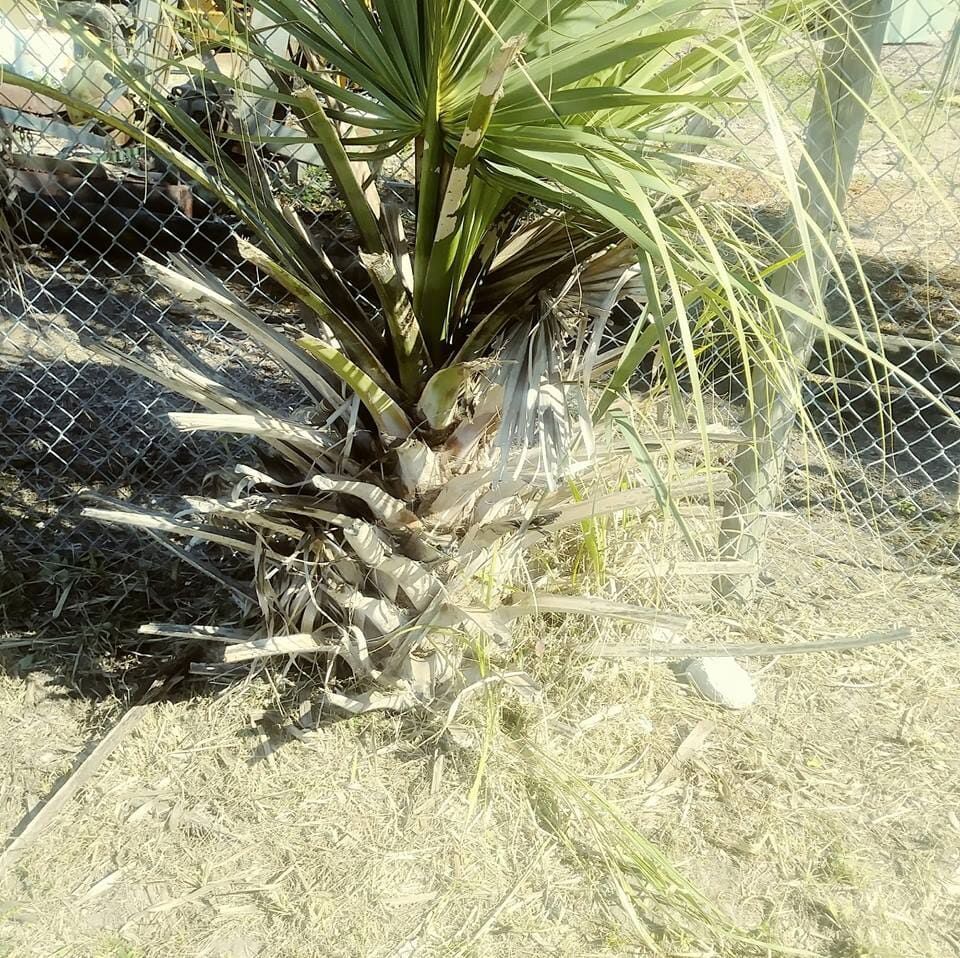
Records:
x=154, y=39
x=848, y=64
x=8, y=244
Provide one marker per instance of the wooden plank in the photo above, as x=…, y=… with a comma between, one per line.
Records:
x=85, y=167
x=946, y=351
x=50, y=129
x=884, y=389
x=162, y=198
x=19, y=100
x=154, y=37
x=277, y=40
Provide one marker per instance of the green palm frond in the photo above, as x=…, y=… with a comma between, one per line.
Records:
x=577, y=105
x=554, y=176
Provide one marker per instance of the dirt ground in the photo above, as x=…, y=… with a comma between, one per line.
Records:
x=823, y=818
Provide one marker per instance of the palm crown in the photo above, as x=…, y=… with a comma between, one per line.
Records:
x=550, y=141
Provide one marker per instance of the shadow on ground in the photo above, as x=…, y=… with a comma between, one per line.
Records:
x=74, y=592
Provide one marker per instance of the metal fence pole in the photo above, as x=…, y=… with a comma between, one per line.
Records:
x=154, y=39
x=847, y=71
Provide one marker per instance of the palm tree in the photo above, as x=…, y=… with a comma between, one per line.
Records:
x=450, y=393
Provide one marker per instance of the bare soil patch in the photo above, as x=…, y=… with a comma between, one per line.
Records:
x=823, y=818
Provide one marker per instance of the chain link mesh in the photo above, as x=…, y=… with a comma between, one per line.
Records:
x=884, y=441
x=83, y=206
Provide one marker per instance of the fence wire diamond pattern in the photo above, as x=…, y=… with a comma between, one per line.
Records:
x=83, y=207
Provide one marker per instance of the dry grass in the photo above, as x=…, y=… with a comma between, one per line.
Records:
x=823, y=818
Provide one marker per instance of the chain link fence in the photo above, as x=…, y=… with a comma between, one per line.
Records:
x=83, y=205
x=897, y=454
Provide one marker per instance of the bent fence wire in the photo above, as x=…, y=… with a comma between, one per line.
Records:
x=83, y=206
